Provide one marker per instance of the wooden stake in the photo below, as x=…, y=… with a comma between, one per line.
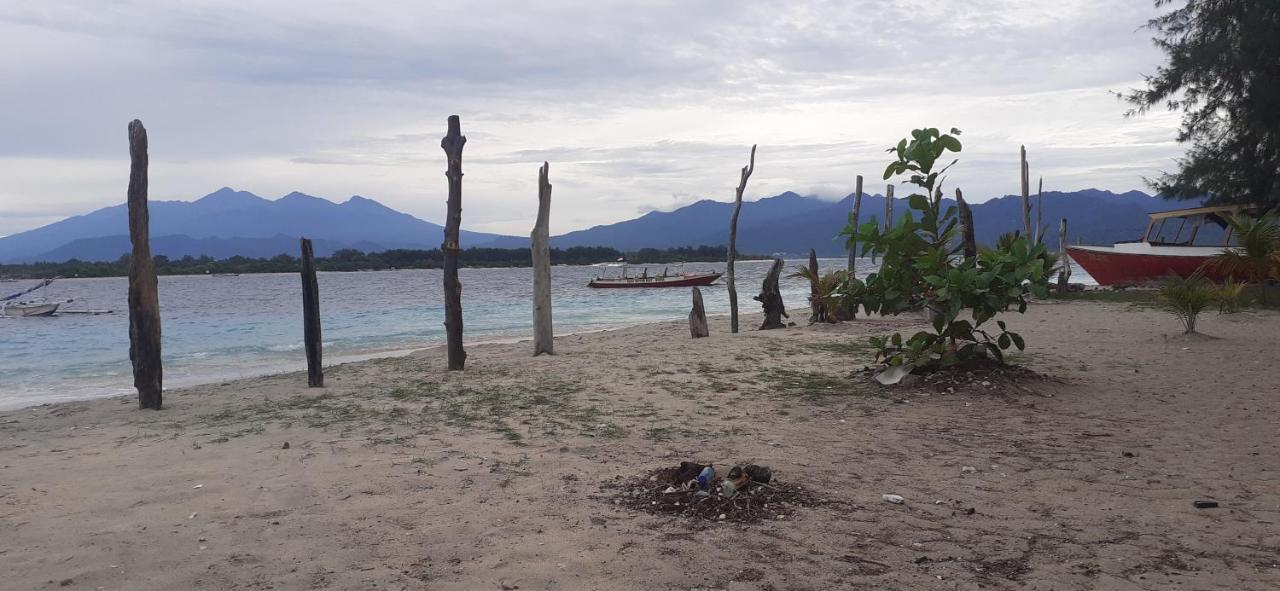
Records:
x=540, y=241
x=857, y=210
x=770, y=298
x=698, y=316
x=452, y=144
x=888, y=208
x=1064, y=261
x=1039, y=210
x=969, y=241
x=1026, y=195
x=144, y=295
x=311, y=317
x=816, y=311
x=733, y=241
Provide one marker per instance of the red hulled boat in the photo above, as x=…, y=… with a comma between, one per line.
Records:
x=1154, y=257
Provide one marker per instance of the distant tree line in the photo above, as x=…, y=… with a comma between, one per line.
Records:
x=355, y=260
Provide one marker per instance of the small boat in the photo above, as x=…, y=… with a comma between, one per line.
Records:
x=1153, y=257
x=11, y=307
x=666, y=279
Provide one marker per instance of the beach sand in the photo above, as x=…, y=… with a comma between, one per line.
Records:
x=401, y=475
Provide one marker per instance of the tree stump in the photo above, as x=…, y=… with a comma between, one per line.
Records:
x=733, y=241
x=698, y=316
x=144, y=296
x=1064, y=261
x=969, y=240
x=853, y=219
x=1039, y=211
x=1026, y=194
x=888, y=208
x=311, y=317
x=817, y=308
x=540, y=245
x=770, y=299
x=452, y=145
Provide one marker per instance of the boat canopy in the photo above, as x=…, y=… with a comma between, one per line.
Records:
x=1216, y=214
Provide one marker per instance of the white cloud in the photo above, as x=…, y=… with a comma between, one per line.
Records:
x=636, y=104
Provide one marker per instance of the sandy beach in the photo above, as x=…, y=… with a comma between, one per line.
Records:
x=401, y=475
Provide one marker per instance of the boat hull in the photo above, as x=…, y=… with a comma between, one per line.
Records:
x=1142, y=263
x=676, y=281
x=29, y=310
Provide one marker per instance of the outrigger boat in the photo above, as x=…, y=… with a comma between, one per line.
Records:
x=666, y=279
x=1154, y=257
x=10, y=307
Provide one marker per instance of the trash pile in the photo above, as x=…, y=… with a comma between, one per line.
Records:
x=745, y=493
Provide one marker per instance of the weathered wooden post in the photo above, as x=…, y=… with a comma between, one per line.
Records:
x=888, y=208
x=311, y=317
x=1039, y=210
x=698, y=316
x=857, y=210
x=540, y=241
x=1026, y=195
x=733, y=241
x=1064, y=261
x=144, y=295
x=452, y=145
x=817, y=312
x=770, y=298
x=969, y=240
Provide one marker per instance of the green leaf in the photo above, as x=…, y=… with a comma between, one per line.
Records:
x=1017, y=341
x=1003, y=341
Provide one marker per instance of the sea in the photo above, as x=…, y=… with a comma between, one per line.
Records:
x=218, y=328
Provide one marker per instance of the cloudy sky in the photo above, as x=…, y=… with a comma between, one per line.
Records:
x=638, y=105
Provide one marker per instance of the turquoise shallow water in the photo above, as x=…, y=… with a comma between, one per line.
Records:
x=218, y=328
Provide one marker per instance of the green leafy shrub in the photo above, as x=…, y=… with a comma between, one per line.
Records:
x=1186, y=298
x=831, y=299
x=1256, y=257
x=1232, y=296
x=922, y=269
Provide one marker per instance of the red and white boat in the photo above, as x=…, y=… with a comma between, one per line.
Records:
x=1168, y=247
x=664, y=280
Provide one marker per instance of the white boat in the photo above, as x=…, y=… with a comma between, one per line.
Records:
x=12, y=307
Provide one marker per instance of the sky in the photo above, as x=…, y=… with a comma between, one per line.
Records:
x=636, y=105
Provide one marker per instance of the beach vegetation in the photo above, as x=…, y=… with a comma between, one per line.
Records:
x=1232, y=296
x=923, y=270
x=1256, y=257
x=1186, y=297
x=833, y=296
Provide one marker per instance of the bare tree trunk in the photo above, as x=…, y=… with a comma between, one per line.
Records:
x=540, y=241
x=1026, y=195
x=733, y=241
x=144, y=294
x=817, y=311
x=857, y=210
x=311, y=317
x=698, y=316
x=1039, y=211
x=452, y=144
x=1064, y=261
x=969, y=242
x=770, y=298
x=888, y=207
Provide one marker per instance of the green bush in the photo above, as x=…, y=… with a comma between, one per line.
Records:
x=1186, y=298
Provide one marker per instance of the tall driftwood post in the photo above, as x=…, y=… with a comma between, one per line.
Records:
x=733, y=240
x=452, y=145
x=817, y=312
x=1040, y=210
x=311, y=317
x=1026, y=195
x=969, y=240
x=770, y=298
x=144, y=295
x=888, y=207
x=698, y=316
x=1064, y=262
x=853, y=218
x=540, y=241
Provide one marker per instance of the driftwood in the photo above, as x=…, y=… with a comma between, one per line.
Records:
x=311, y=317
x=817, y=310
x=540, y=242
x=969, y=240
x=144, y=296
x=733, y=241
x=857, y=210
x=1026, y=195
x=888, y=207
x=1064, y=262
x=770, y=299
x=698, y=317
x=452, y=145
x=1039, y=211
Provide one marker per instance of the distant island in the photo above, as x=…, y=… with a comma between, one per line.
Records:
x=355, y=260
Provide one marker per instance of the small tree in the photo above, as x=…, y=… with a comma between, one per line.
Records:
x=921, y=269
x=1186, y=298
x=1256, y=258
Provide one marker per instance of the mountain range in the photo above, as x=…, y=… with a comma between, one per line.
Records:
x=229, y=222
